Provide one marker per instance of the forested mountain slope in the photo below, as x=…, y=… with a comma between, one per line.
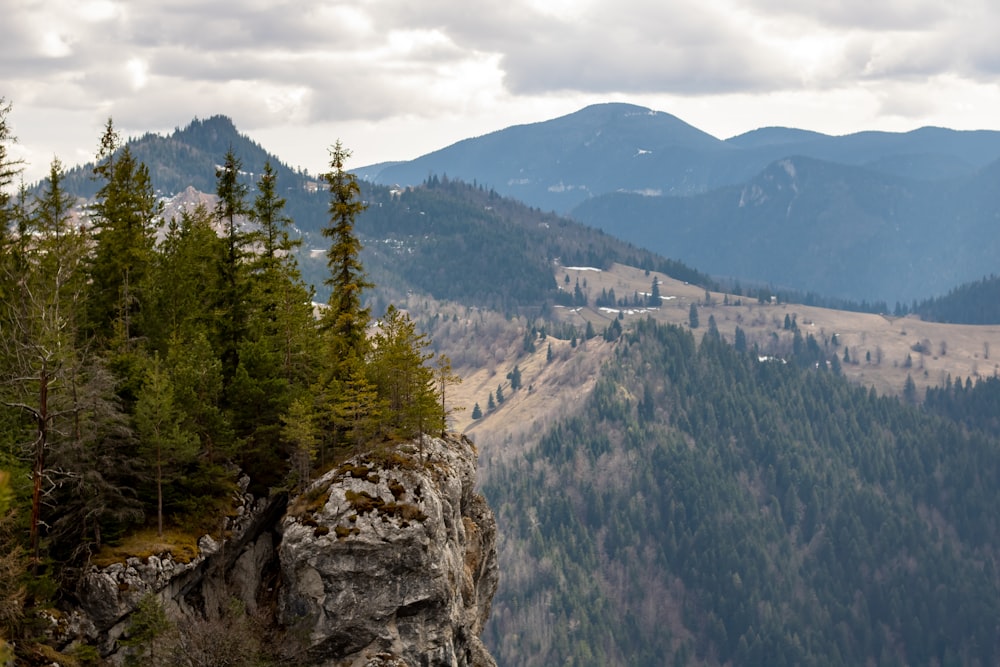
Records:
x=446, y=239
x=810, y=225
x=705, y=507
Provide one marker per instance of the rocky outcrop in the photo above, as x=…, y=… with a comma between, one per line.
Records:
x=391, y=560
x=232, y=568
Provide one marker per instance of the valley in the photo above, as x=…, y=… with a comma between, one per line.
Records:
x=881, y=350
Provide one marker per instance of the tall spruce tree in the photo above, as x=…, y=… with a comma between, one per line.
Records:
x=233, y=287
x=124, y=215
x=347, y=318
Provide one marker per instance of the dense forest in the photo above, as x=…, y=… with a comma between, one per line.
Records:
x=142, y=370
x=728, y=510
x=977, y=302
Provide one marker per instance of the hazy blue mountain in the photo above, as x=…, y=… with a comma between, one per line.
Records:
x=605, y=148
x=556, y=164
x=835, y=229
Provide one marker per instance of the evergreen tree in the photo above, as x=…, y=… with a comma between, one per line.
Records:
x=740, y=340
x=164, y=441
x=124, y=216
x=400, y=372
x=500, y=398
x=693, y=316
x=491, y=404
x=233, y=285
x=477, y=412
x=346, y=319
x=299, y=430
x=654, y=294
x=515, y=378
x=358, y=408
x=444, y=376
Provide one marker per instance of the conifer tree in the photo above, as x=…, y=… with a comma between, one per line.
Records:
x=284, y=301
x=299, y=430
x=124, y=216
x=231, y=315
x=357, y=408
x=404, y=380
x=346, y=319
x=168, y=445
x=444, y=376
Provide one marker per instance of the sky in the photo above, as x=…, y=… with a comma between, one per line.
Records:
x=395, y=79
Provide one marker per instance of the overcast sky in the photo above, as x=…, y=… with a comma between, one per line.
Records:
x=394, y=79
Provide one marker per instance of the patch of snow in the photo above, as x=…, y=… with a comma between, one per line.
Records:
x=626, y=311
x=581, y=268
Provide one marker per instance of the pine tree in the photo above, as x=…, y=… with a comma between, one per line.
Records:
x=124, y=216
x=693, y=316
x=405, y=382
x=233, y=287
x=357, y=407
x=444, y=376
x=477, y=412
x=299, y=430
x=164, y=441
x=515, y=378
x=346, y=319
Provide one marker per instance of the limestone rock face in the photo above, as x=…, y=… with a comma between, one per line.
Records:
x=390, y=560
x=196, y=589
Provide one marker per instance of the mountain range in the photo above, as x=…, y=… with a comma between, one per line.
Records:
x=875, y=216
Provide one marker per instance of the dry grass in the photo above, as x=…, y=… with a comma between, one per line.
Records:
x=965, y=346
x=485, y=346
x=181, y=544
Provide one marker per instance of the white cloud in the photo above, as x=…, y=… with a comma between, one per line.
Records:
x=403, y=74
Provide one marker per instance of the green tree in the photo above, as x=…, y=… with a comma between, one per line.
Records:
x=170, y=447
x=445, y=377
x=693, y=316
x=515, y=378
x=347, y=318
x=124, y=216
x=400, y=370
x=477, y=412
x=357, y=407
x=147, y=628
x=233, y=287
x=299, y=430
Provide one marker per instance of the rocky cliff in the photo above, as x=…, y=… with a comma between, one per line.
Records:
x=389, y=559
